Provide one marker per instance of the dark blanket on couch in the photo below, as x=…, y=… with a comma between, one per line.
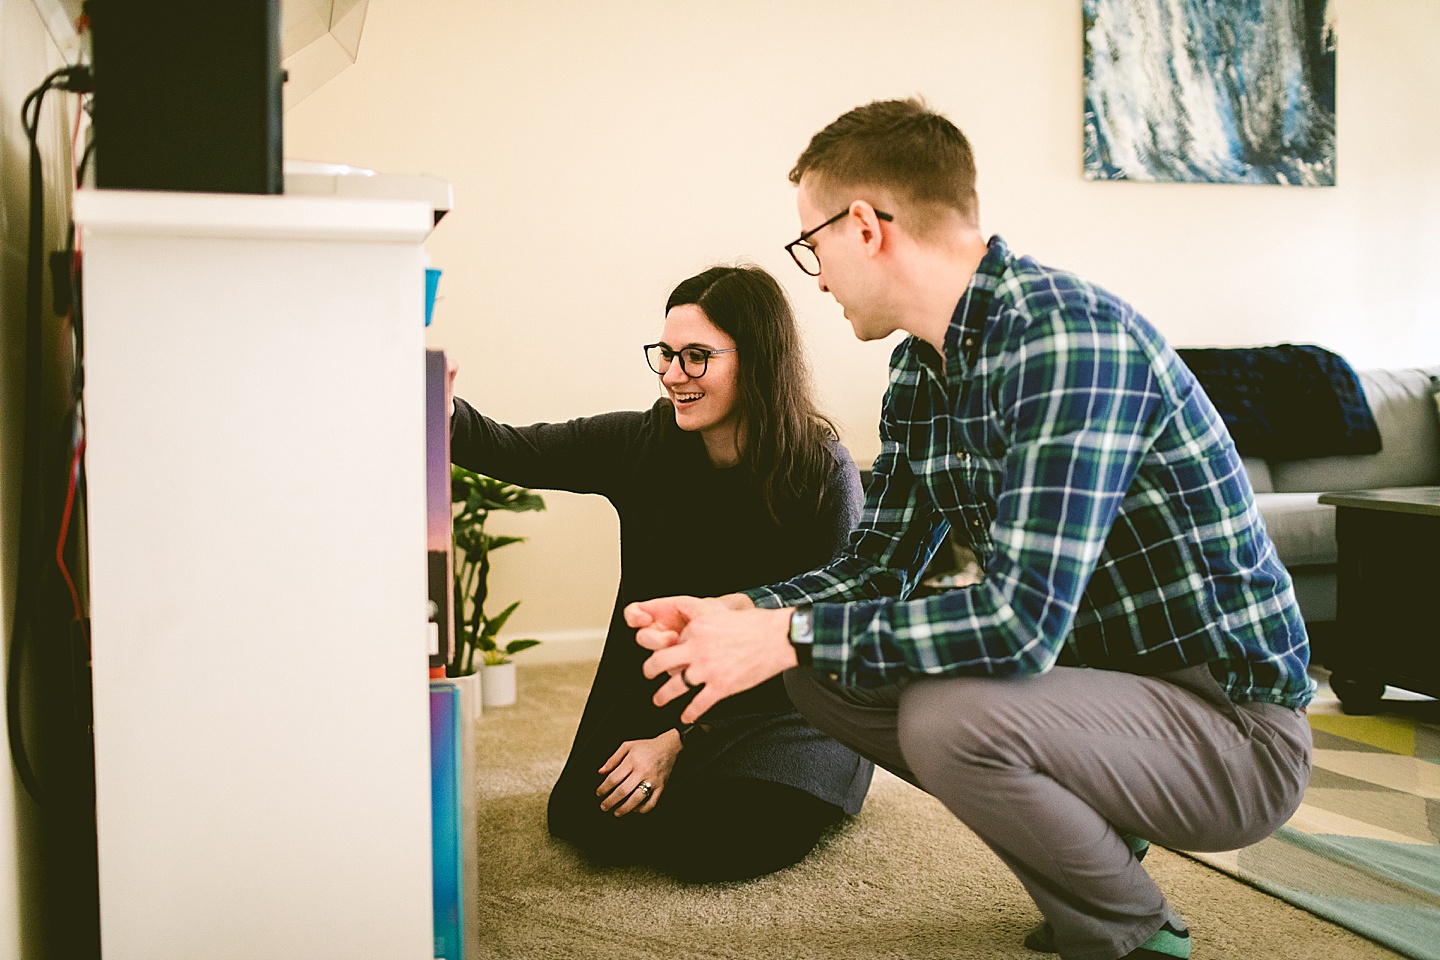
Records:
x=1287, y=402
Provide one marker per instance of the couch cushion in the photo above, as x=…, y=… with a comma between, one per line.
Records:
x=1302, y=528
x=1259, y=473
x=1409, y=434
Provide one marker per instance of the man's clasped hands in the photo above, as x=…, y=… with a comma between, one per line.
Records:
x=718, y=646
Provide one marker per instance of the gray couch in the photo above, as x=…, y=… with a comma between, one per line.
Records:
x=1288, y=491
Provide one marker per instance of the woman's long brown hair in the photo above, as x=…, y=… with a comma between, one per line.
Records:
x=781, y=431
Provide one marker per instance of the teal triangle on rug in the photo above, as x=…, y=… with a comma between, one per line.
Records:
x=1416, y=866
x=1413, y=931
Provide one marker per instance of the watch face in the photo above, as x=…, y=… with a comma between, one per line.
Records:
x=800, y=625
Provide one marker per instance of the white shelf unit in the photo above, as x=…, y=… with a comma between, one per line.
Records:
x=255, y=406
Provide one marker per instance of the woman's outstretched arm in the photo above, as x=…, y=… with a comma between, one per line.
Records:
x=588, y=455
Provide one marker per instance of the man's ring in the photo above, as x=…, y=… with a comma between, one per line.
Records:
x=648, y=787
x=686, y=680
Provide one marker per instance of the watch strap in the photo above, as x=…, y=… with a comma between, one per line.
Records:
x=802, y=633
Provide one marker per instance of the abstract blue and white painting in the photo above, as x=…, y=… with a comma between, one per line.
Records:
x=1210, y=91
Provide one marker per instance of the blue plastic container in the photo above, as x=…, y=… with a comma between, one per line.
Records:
x=432, y=282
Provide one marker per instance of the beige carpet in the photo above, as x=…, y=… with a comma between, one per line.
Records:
x=903, y=879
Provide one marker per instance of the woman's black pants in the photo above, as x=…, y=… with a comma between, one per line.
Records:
x=730, y=828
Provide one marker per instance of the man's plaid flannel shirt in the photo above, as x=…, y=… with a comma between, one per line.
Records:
x=1063, y=439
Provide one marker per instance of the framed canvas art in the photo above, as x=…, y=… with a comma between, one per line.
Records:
x=1197, y=91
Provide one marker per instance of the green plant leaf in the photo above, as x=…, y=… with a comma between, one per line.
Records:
x=525, y=501
x=491, y=494
x=462, y=482
x=474, y=497
x=469, y=541
x=515, y=646
x=497, y=622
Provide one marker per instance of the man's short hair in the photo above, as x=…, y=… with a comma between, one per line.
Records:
x=899, y=145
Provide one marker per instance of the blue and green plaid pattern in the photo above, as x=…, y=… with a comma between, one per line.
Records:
x=1064, y=441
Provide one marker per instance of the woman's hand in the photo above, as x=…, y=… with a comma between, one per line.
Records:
x=635, y=762
x=452, y=367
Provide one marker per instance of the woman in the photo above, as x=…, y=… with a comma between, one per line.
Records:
x=732, y=480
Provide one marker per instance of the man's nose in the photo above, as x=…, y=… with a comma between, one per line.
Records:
x=820, y=279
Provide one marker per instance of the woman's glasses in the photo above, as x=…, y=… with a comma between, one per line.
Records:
x=693, y=360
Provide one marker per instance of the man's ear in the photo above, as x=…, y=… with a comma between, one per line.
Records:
x=868, y=225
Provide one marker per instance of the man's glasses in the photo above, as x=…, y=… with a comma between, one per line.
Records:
x=693, y=360
x=805, y=256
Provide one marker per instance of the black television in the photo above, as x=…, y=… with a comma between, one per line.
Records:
x=188, y=96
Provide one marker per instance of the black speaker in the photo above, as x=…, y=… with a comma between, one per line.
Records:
x=187, y=95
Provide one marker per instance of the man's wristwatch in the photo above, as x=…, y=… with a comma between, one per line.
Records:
x=802, y=633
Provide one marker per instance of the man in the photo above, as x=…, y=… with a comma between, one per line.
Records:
x=1132, y=667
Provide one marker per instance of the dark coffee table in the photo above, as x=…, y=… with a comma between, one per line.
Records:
x=1388, y=594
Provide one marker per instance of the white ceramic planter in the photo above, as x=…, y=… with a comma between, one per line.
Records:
x=497, y=684
x=470, y=694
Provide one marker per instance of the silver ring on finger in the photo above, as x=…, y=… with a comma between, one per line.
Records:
x=646, y=786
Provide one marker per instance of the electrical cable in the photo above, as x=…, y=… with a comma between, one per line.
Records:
x=27, y=617
x=75, y=420
x=75, y=134
x=75, y=415
x=60, y=668
x=65, y=531
x=30, y=482
x=75, y=140
x=84, y=161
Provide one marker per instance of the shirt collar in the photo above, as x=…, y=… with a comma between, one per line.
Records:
x=967, y=323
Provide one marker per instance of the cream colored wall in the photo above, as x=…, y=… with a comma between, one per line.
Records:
x=601, y=152
x=27, y=53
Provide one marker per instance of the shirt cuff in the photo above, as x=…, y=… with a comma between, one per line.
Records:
x=764, y=598
x=830, y=651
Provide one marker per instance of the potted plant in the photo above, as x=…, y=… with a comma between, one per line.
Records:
x=475, y=498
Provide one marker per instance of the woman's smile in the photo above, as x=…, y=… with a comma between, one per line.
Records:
x=704, y=404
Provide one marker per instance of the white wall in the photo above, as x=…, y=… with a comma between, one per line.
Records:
x=601, y=152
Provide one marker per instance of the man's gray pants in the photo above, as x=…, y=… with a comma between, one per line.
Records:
x=1050, y=770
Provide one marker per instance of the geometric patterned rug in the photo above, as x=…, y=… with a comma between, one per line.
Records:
x=1363, y=850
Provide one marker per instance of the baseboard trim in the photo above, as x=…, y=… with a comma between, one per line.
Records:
x=564, y=646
